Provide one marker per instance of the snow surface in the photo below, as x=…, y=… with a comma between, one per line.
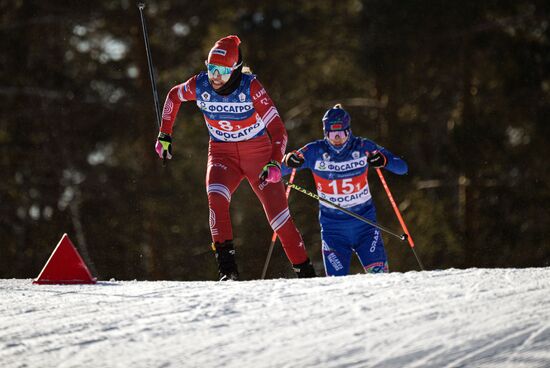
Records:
x=449, y=318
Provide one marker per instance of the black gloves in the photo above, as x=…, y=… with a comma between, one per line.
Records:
x=294, y=159
x=377, y=159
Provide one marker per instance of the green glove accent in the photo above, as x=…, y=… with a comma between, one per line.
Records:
x=271, y=172
x=163, y=147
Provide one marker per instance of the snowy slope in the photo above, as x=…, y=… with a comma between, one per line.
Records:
x=451, y=318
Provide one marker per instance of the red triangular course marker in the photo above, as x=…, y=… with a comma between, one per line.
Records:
x=65, y=266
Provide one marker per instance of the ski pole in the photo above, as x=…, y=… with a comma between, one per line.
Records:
x=399, y=217
x=402, y=237
x=274, y=237
x=141, y=6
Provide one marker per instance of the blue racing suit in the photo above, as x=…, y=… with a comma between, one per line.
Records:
x=341, y=177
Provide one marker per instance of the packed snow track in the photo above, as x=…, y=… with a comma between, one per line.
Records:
x=450, y=318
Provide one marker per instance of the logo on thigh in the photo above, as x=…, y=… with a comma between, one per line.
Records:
x=217, y=164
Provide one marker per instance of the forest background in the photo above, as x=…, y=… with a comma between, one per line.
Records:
x=459, y=89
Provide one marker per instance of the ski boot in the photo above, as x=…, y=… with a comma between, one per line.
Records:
x=225, y=255
x=304, y=270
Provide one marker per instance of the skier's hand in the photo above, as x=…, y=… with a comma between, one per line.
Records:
x=377, y=159
x=163, y=147
x=294, y=159
x=271, y=172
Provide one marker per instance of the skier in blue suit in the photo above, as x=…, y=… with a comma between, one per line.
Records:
x=339, y=164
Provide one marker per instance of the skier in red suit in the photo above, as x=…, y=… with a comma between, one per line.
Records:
x=247, y=140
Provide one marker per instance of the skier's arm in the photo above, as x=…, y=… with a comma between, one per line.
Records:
x=302, y=156
x=288, y=159
x=393, y=163
x=265, y=107
x=178, y=94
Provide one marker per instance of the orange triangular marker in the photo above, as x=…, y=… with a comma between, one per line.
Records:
x=65, y=266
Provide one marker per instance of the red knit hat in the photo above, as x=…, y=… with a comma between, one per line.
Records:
x=225, y=52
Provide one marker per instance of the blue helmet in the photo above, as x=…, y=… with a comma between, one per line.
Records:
x=336, y=119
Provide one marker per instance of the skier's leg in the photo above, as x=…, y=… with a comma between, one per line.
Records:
x=222, y=178
x=275, y=204
x=336, y=252
x=370, y=250
x=277, y=212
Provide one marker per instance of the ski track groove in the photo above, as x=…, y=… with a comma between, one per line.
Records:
x=527, y=342
x=469, y=358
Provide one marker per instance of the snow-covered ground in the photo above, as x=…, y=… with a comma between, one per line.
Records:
x=450, y=318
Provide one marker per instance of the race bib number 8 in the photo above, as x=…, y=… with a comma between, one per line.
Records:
x=225, y=125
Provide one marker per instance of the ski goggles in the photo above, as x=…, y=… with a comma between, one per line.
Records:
x=340, y=135
x=223, y=71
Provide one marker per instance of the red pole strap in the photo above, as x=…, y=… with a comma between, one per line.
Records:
x=399, y=217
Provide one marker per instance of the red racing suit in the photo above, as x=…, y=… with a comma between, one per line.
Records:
x=246, y=132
